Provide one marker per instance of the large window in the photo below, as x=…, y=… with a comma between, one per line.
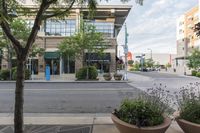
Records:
x=107, y=28
x=57, y=27
x=60, y=27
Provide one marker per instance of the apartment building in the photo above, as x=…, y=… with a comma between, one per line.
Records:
x=185, y=35
x=108, y=20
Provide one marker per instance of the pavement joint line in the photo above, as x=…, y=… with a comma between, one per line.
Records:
x=59, y=119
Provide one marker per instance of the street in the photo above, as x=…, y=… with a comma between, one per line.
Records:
x=67, y=97
x=47, y=97
x=173, y=82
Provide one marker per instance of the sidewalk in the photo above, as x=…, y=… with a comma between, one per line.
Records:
x=71, y=123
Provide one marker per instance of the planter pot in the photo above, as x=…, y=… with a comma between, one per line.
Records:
x=188, y=127
x=107, y=78
x=117, y=77
x=124, y=127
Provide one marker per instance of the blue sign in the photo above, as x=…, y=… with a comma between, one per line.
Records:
x=47, y=72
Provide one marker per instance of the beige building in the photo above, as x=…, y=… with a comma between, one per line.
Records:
x=107, y=20
x=186, y=37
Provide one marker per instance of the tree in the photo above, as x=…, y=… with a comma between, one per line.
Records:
x=194, y=59
x=22, y=49
x=87, y=39
x=130, y=62
x=149, y=63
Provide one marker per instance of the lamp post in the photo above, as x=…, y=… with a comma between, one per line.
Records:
x=150, y=53
x=126, y=52
x=184, y=58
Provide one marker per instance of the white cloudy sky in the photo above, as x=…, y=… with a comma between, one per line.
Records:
x=153, y=25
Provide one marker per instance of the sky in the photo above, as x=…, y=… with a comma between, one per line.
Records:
x=153, y=25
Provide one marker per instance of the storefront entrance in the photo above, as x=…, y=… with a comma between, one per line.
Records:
x=102, y=63
x=52, y=59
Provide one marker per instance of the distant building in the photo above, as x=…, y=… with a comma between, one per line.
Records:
x=130, y=56
x=159, y=58
x=185, y=37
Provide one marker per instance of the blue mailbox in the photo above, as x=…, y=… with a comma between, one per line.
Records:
x=47, y=72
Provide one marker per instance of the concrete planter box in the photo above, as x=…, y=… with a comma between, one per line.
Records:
x=117, y=76
x=124, y=127
x=188, y=127
x=107, y=78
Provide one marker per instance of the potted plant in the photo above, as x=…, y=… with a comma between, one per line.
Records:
x=107, y=76
x=188, y=100
x=117, y=76
x=145, y=114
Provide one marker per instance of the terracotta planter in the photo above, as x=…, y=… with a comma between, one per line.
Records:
x=124, y=127
x=188, y=127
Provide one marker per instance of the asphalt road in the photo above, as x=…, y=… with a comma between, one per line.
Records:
x=171, y=81
x=85, y=97
x=67, y=97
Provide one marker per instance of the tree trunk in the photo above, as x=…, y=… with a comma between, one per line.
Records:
x=19, y=97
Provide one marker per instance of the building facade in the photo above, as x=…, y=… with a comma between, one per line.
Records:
x=185, y=37
x=108, y=20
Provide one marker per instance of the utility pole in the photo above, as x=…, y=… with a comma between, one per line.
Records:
x=126, y=52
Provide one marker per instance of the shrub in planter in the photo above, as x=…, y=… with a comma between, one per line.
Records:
x=188, y=100
x=194, y=72
x=107, y=76
x=198, y=74
x=145, y=114
x=82, y=73
x=5, y=74
x=117, y=76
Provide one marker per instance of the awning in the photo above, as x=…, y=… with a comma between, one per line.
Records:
x=96, y=57
x=51, y=55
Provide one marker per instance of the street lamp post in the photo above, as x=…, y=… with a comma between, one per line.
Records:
x=126, y=52
x=150, y=53
x=184, y=58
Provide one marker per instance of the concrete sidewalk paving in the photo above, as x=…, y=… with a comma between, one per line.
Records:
x=100, y=123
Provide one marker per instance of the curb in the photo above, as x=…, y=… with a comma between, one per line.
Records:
x=54, y=81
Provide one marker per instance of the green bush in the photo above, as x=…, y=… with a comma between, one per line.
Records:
x=188, y=99
x=5, y=74
x=82, y=73
x=198, y=74
x=107, y=75
x=140, y=113
x=134, y=69
x=194, y=72
x=147, y=110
